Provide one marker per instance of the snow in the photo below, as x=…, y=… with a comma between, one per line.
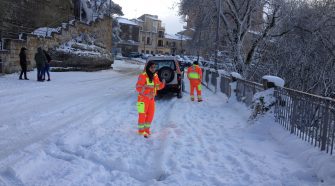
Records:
x=236, y=75
x=80, y=129
x=45, y=31
x=267, y=96
x=279, y=82
x=82, y=46
x=126, y=21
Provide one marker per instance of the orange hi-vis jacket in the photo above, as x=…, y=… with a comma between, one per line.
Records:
x=194, y=74
x=147, y=89
x=146, y=103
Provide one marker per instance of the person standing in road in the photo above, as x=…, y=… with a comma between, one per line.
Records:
x=147, y=85
x=194, y=74
x=23, y=63
x=41, y=60
x=47, y=65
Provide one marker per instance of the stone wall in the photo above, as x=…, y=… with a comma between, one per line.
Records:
x=25, y=15
x=101, y=30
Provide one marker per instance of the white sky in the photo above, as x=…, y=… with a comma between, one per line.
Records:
x=165, y=10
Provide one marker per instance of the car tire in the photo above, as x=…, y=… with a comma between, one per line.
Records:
x=166, y=73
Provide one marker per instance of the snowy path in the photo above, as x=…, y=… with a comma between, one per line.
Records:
x=80, y=129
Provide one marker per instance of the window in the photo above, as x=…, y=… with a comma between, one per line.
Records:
x=161, y=34
x=160, y=43
x=142, y=51
x=165, y=63
x=148, y=41
x=154, y=26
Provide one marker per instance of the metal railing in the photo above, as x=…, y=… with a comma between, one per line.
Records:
x=246, y=90
x=310, y=117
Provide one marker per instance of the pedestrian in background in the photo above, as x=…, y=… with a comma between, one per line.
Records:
x=23, y=63
x=194, y=74
x=41, y=60
x=47, y=65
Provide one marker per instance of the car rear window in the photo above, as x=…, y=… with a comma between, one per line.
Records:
x=164, y=63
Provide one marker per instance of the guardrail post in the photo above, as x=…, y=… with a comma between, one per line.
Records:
x=325, y=128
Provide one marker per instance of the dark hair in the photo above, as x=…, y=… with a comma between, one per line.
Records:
x=22, y=50
x=196, y=63
x=149, y=73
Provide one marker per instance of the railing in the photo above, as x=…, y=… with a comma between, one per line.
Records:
x=310, y=117
x=1, y=68
x=246, y=90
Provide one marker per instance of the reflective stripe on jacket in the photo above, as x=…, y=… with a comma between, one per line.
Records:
x=194, y=73
x=146, y=88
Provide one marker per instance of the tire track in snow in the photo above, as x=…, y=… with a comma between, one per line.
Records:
x=84, y=115
x=64, y=115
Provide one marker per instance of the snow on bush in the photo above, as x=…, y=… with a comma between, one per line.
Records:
x=279, y=82
x=262, y=102
x=82, y=45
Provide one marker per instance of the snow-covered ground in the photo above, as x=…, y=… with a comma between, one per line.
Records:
x=80, y=129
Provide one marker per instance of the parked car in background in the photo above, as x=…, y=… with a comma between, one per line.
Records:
x=145, y=56
x=134, y=55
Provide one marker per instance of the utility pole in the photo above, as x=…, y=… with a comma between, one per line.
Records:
x=217, y=37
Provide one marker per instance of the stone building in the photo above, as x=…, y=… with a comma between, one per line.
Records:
x=130, y=33
x=152, y=34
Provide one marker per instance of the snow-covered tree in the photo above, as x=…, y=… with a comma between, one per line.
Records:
x=242, y=25
x=93, y=9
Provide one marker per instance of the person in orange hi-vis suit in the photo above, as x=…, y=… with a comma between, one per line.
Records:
x=194, y=74
x=147, y=85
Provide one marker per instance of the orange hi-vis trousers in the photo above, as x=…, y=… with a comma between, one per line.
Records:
x=146, y=111
x=195, y=84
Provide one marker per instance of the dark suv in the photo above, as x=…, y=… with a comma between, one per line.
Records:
x=168, y=68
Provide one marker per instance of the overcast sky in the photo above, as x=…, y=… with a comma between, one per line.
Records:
x=166, y=10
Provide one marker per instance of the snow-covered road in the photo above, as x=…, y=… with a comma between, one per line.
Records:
x=80, y=129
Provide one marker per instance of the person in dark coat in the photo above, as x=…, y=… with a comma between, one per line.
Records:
x=41, y=60
x=47, y=65
x=23, y=63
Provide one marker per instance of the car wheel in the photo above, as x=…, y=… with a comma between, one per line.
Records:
x=166, y=73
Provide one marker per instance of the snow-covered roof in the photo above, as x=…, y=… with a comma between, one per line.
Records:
x=126, y=21
x=137, y=20
x=279, y=82
x=153, y=17
x=45, y=31
x=177, y=37
x=169, y=36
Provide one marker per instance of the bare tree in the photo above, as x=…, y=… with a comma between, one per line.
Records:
x=243, y=26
